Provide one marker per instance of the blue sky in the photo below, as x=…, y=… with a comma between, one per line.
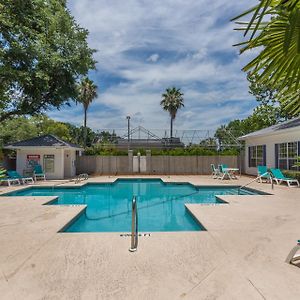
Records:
x=146, y=46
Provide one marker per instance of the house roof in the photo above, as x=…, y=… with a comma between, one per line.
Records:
x=47, y=140
x=289, y=124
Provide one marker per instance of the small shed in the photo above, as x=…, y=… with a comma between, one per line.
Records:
x=56, y=156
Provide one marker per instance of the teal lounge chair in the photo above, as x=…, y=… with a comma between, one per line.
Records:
x=263, y=174
x=6, y=179
x=279, y=177
x=215, y=171
x=16, y=175
x=38, y=173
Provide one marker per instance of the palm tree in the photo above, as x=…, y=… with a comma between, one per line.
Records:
x=274, y=30
x=172, y=100
x=87, y=92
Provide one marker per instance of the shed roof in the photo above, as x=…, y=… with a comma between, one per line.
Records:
x=278, y=128
x=47, y=140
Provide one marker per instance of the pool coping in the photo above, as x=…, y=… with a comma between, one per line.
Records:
x=220, y=199
x=69, y=186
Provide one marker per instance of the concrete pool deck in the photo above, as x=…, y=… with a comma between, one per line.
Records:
x=240, y=256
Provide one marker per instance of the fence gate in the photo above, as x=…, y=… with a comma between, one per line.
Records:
x=139, y=164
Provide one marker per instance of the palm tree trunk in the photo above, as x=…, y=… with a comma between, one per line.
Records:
x=85, y=129
x=171, y=128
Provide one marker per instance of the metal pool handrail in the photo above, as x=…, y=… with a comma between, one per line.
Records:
x=134, y=226
x=80, y=177
x=264, y=174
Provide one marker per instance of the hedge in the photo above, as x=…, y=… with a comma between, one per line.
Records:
x=190, y=151
x=292, y=174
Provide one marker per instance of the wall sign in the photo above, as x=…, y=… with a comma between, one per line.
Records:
x=33, y=160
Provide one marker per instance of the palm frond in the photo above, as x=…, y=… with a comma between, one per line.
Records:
x=278, y=63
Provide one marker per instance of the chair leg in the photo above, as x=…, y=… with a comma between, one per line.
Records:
x=292, y=254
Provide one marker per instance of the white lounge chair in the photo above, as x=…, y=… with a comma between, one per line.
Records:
x=10, y=181
x=279, y=177
x=23, y=179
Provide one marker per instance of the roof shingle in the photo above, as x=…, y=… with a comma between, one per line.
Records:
x=275, y=128
x=47, y=140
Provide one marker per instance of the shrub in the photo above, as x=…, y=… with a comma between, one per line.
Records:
x=292, y=174
x=193, y=151
x=105, y=151
x=189, y=151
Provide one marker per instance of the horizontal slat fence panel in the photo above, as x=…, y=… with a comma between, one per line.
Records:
x=161, y=165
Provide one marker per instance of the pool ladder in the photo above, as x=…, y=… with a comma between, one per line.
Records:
x=134, y=226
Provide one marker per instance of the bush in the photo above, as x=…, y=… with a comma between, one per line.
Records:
x=189, y=151
x=105, y=151
x=292, y=174
x=194, y=151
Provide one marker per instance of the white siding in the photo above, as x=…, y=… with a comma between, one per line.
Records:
x=270, y=141
x=69, y=163
x=58, y=163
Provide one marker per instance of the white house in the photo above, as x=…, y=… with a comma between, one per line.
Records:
x=275, y=147
x=56, y=157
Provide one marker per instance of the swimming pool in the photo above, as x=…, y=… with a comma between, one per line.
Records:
x=160, y=205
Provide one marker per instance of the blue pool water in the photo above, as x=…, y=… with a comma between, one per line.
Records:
x=160, y=205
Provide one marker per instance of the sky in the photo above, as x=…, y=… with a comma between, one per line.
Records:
x=144, y=47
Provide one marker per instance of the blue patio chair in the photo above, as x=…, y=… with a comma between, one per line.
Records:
x=263, y=174
x=38, y=173
x=223, y=173
x=215, y=171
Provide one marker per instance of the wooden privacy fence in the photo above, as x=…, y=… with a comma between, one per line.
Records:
x=161, y=165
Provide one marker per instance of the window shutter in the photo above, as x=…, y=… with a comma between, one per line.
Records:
x=249, y=157
x=264, y=155
x=276, y=156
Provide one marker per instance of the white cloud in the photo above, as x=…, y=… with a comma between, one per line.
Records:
x=189, y=44
x=153, y=58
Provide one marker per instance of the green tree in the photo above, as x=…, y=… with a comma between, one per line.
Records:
x=87, y=92
x=172, y=100
x=43, y=52
x=17, y=129
x=269, y=108
x=45, y=125
x=274, y=31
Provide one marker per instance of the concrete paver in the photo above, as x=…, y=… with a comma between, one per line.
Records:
x=240, y=256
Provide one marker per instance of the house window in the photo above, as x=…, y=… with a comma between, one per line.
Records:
x=49, y=163
x=257, y=155
x=287, y=155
